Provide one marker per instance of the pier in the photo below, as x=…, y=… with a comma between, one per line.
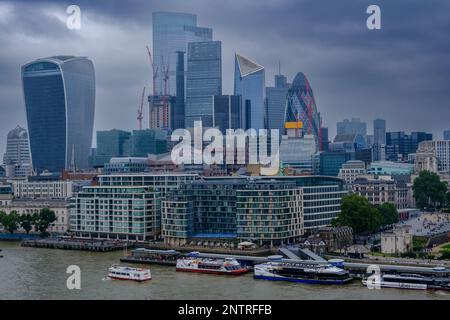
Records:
x=74, y=244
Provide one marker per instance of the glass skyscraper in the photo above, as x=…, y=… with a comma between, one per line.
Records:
x=301, y=106
x=379, y=131
x=59, y=95
x=276, y=103
x=172, y=31
x=249, y=82
x=227, y=113
x=203, y=81
x=352, y=126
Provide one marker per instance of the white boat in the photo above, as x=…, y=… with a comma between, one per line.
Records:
x=193, y=263
x=407, y=281
x=128, y=273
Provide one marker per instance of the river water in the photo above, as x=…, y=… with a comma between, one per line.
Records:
x=32, y=273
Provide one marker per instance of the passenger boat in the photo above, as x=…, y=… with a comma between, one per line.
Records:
x=407, y=281
x=225, y=266
x=127, y=273
x=302, y=272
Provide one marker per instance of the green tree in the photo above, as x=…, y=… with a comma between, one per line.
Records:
x=429, y=191
x=10, y=221
x=388, y=213
x=27, y=221
x=45, y=218
x=358, y=213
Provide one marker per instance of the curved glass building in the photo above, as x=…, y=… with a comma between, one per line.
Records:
x=59, y=94
x=301, y=106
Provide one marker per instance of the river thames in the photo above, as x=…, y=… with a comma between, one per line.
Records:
x=31, y=273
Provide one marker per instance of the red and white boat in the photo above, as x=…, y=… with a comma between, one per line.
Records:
x=212, y=266
x=128, y=273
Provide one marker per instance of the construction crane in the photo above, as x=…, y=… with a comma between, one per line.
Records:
x=165, y=76
x=154, y=70
x=140, y=115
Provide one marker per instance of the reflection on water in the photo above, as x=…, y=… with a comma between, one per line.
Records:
x=30, y=273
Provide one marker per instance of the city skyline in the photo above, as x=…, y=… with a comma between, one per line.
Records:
x=359, y=55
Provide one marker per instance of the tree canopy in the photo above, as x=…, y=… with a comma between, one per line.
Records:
x=429, y=191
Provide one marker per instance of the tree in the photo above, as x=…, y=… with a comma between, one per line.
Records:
x=429, y=191
x=389, y=213
x=27, y=221
x=10, y=221
x=357, y=212
x=45, y=218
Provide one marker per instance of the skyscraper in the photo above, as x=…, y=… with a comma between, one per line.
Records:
x=110, y=144
x=203, y=81
x=301, y=107
x=276, y=103
x=352, y=126
x=59, y=97
x=17, y=150
x=178, y=111
x=227, y=113
x=172, y=31
x=379, y=131
x=249, y=82
x=399, y=144
x=446, y=134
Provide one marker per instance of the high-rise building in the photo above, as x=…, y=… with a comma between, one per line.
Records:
x=110, y=144
x=227, y=113
x=178, y=111
x=150, y=141
x=352, y=126
x=249, y=82
x=301, y=106
x=298, y=152
x=379, y=131
x=17, y=157
x=276, y=103
x=59, y=97
x=161, y=111
x=441, y=151
x=325, y=141
x=17, y=150
x=399, y=144
x=172, y=31
x=446, y=134
x=203, y=81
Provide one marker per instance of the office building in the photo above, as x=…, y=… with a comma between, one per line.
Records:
x=298, y=152
x=301, y=107
x=172, y=31
x=227, y=112
x=276, y=103
x=59, y=95
x=126, y=165
x=17, y=160
x=110, y=144
x=116, y=212
x=329, y=163
x=351, y=170
x=353, y=126
x=446, y=134
x=249, y=83
x=390, y=168
x=149, y=141
x=426, y=157
x=379, y=131
x=399, y=145
x=440, y=150
x=203, y=81
x=349, y=142
x=325, y=142
x=57, y=189
x=177, y=112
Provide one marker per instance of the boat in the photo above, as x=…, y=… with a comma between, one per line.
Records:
x=227, y=266
x=302, y=272
x=128, y=273
x=407, y=281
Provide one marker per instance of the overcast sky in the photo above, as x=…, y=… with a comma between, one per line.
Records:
x=400, y=73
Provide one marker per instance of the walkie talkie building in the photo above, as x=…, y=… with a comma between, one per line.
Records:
x=59, y=94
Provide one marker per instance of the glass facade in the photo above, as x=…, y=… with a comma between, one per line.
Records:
x=276, y=104
x=301, y=106
x=249, y=82
x=227, y=112
x=59, y=97
x=203, y=81
x=172, y=31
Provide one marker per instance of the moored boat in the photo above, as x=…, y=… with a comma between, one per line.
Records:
x=406, y=281
x=225, y=266
x=302, y=272
x=128, y=273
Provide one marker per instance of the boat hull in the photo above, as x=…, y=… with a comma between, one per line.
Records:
x=115, y=277
x=308, y=281
x=397, y=285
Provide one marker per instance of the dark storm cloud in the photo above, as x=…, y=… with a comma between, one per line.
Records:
x=400, y=73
